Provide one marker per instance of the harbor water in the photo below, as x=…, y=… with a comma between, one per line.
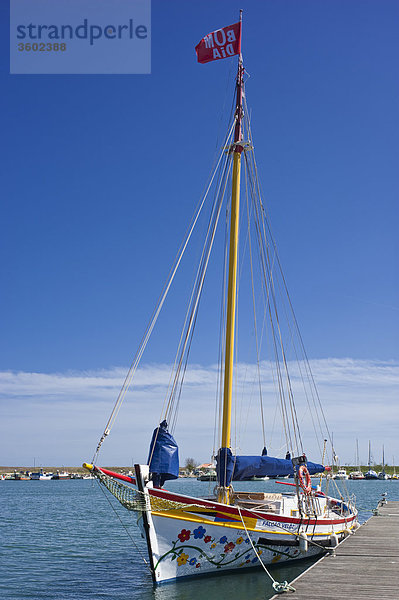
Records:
x=69, y=540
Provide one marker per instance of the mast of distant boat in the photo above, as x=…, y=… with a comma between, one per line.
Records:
x=223, y=495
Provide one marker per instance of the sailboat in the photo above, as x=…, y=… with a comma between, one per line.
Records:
x=394, y=476
x=359, y=473
x=231, y=529
x=382, y=474
x=371, y=474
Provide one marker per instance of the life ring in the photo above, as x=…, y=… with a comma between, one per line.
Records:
x=304, y=479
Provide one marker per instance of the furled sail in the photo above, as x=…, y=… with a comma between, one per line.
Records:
x=238, y=468
x=163, y=458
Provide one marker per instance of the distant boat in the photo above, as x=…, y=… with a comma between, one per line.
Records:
x=370, y=473
x=209, y=476
x=341, y=474
x=382, y=474
x=357, y=474
x=394, y=475
x=18, y=476
x=61, y=475
x=41, y=476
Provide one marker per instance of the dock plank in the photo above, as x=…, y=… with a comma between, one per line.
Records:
x=365, y=565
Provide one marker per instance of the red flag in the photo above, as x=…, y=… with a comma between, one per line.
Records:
x=221, y=43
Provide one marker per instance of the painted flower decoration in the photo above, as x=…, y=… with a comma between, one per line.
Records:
x=276, y=558
x=229, y=547
x=184, y=535
x=223, y=540
x=197, y=566
x=192, y=561
x=254, y=560
x=247, y=541
x=199, y=532
x=207, y=539
x=239, y=540
x=213, y=545
x=182, y=559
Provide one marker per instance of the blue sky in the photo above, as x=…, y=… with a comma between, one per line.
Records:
x=100, y=178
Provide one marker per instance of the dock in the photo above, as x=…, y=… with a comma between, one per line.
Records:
x=365, y=565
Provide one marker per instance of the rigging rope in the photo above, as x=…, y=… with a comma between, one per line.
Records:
x=157, y=310
x=274, y=288
x=191, y=315
x=123, y=525
x=254, y=311
x=262, y=227
x=312, y=385
x=221, y=351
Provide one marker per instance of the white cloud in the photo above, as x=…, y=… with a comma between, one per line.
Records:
x=58, y=417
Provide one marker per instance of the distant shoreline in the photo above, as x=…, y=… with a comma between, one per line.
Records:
x=389, y=470
x=80, y=470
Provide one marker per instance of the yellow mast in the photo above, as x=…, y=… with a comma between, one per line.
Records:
x=223, y=494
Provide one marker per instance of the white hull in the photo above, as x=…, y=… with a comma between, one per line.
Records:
x=341, y=475
x=212, y=548
x=63, y=475
x=356, y=475
x=209, y=537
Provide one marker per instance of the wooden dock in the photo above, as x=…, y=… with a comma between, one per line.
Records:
x=365, y=565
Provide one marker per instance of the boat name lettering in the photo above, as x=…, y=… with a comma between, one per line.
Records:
x=265, y=523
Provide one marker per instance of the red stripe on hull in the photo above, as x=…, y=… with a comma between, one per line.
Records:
x=231, y=510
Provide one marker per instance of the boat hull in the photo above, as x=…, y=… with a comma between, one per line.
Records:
x=214, y=548
x=215, y=538
x=371, y=475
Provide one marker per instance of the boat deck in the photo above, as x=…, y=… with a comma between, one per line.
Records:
x=365, y=565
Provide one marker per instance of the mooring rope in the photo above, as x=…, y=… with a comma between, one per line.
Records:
x=278, y=587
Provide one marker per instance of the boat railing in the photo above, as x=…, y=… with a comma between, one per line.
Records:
x=310, y=505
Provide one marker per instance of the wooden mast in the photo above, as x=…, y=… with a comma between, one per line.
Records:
x=237, y=148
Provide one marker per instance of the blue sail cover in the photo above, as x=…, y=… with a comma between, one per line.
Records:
x=224, y=466
x=163, y=458
x=239, y=468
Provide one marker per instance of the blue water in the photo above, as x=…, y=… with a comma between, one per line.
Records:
x=64, y=540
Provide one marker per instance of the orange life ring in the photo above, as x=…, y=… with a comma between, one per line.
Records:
x=304, y=479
